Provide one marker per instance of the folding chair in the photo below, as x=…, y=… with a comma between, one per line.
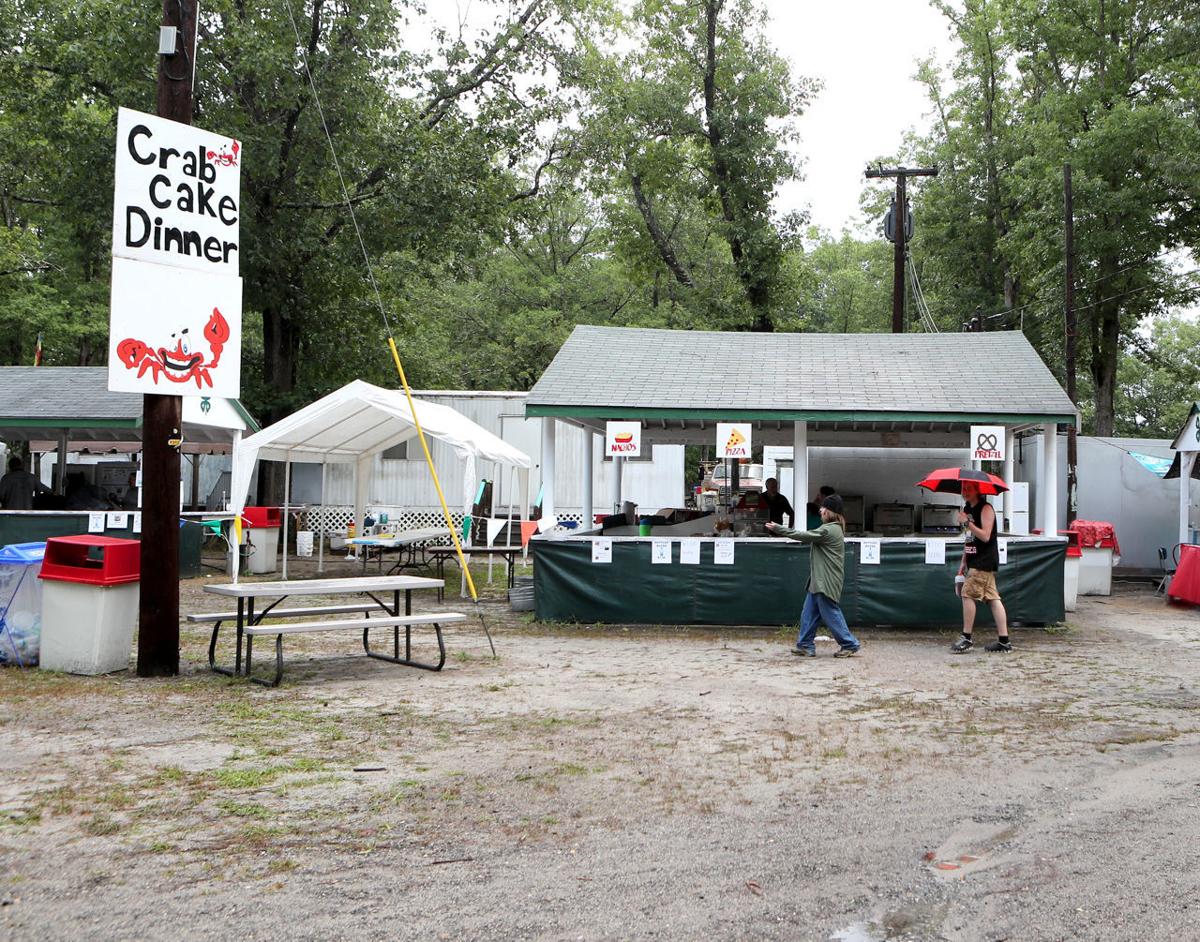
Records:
x=1165, y=582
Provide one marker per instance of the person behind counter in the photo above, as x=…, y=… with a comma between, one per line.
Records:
x=814, y=507
x=19, y=487
x=777, y=504
x=826, y=571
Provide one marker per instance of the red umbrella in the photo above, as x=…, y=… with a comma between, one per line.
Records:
x=950, y=481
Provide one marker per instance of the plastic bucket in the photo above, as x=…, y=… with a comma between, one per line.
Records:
x=304, y=542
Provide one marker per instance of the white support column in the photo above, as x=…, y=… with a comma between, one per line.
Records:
x=287, y=508
x=614, y=484
x=1010, y=470
x=800, y=474
x=548, y=429
x=1187, y=461
x=1048, y=494
x=324, y=492
x=588, y=469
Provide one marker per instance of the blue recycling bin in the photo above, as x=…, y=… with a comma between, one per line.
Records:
x=21, y=604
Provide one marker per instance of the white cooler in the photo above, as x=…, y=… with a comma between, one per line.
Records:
x=1095, y=571
x=1070, y=581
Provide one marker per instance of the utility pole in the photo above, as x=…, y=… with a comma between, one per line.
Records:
x=1072, y=444
x=901, y=232
x=162, y=416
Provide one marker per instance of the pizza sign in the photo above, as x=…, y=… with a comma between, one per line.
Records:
x=733, y=439
x=623, y=439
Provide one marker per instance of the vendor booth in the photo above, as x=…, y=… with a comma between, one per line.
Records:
x=964, y=395
x=357, y=422
x=68, y=416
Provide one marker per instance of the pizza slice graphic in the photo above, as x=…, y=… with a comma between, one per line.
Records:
x=735, y=438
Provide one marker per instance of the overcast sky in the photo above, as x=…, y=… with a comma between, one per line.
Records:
x=865, y=53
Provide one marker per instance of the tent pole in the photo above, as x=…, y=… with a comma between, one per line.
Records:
x=321, y=548
x=287, y=507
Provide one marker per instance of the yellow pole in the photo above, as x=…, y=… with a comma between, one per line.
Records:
x=429, y=460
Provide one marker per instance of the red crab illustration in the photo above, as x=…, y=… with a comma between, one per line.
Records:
x=226, y=158
x=178, y=364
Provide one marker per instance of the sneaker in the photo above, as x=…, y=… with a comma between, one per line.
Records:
x=999, y=645
x=804, y=652
x=846, y=652
x=962, y=646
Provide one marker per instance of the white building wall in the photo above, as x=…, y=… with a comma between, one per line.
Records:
x=406, y=485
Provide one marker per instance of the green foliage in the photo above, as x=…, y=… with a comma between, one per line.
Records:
x=1109, y=87
x=1159, y=381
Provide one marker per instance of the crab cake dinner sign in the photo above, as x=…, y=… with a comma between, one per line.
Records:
x=176, y=315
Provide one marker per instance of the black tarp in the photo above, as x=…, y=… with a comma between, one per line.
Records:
x=766, y=585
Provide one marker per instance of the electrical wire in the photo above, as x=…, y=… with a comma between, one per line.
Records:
x=391, y=340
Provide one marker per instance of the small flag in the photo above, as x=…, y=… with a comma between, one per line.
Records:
x=37, y=352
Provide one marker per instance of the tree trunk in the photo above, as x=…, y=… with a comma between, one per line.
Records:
x=1105, y=336
x=280, y=347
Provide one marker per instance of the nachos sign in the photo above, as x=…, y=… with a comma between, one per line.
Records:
x=987, y=442
x=176, y=303
x=623, y=439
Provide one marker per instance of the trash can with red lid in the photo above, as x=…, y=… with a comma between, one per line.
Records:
x=263, y=526
x=90, y=588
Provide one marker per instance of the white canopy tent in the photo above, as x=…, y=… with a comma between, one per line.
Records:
x=353, y=424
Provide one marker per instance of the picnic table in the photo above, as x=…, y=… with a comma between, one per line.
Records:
x=376, y=590
x=408, y=542
x=439, y=555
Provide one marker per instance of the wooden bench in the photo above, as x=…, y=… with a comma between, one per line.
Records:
x=395, y=622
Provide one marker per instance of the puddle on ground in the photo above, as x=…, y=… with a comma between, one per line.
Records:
x=859, y=932
x=917, y=923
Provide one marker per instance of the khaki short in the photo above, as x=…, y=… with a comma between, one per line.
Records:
x=980, y=586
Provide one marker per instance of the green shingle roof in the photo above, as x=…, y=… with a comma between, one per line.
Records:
x=615, y=372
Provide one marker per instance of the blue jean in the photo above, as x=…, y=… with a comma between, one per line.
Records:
x=820, y=608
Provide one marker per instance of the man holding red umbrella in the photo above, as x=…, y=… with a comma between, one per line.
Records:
x=976, y=581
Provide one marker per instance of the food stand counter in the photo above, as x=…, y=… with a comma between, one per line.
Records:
x=765, y=582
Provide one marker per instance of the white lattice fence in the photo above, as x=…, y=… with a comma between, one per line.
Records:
x=339, y=517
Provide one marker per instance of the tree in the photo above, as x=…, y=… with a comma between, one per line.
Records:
x=1110, y=87
x=1159, y=379
x=692, y=131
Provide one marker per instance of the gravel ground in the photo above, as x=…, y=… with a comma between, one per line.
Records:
x=620, y=783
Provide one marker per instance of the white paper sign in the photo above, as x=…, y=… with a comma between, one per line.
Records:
x=987, y=442
x=174, y=331
x=1002, y=549
x=689, y=551
x=96, y=523
x=602, y=549
x=734, y=439
x=623, y=439
x=118, y=521
x=723, y=552
x=935, y=552
x=176, y=196
x=137, y=523
x=660, y=551
x=868, y=554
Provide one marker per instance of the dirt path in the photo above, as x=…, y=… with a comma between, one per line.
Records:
x=620, y=784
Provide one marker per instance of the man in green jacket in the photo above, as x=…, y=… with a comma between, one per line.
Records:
x=826, y=568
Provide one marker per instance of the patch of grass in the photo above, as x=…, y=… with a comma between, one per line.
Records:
x=100, y=825
x=25, y=817
x=247, y=810
x=835, y=752
x=246, y=778
x=572, y=768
